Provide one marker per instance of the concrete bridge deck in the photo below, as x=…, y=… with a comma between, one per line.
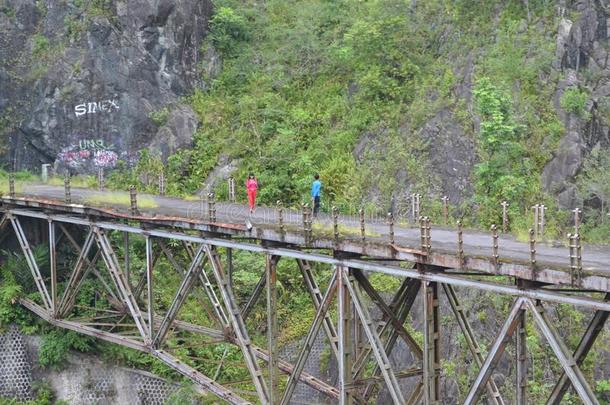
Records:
x=552, y=264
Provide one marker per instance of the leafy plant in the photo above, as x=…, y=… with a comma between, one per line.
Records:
x=57, y=343
x=574, y=100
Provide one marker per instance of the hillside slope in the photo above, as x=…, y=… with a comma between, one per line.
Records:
x=479, y=101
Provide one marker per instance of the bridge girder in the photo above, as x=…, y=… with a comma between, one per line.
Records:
x=348, y=282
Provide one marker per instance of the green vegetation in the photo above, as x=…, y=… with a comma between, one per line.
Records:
x=319, y=77
x=120, y=198
x=160, y=117
x=574, y=100
x=594, y=187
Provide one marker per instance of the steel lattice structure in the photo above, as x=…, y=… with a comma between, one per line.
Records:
x=355, y=339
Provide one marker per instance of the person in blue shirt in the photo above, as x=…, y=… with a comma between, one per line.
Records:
x=316, y=187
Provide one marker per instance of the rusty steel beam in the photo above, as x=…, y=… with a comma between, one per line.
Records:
x=305, y=378
x=346, y=397
x=206, y=383
x=495, y=352
x=395, y=306
x=31, y=260
x=90, y=264
x=596, y=326
x=316, y=298
x=120, y=282
x=310, y=339
x=387, y=311
x=521, y=360
x=149, y=285
x=254, y=297
x=272, y=329
x=369, y=329
x=431, y=354
x=53, y=267
x=458, y=311
x=569, y=365
x=516, y=268
x=183, y=291
x=416, y=395
x=521, y=270
x=404, y=307
x=181, y=271
x=239, y=326
x=76, y=278
x=77, y=327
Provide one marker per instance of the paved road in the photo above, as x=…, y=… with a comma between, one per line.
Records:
x=596, y=259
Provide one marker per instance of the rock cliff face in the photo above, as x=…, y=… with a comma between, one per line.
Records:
x=87, y=83
x=583, y=58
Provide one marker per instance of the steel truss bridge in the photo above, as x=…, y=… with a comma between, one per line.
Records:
x=533, y=275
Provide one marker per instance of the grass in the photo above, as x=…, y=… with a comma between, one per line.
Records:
x=327, y=229
x=119, y=198
x=75, y=181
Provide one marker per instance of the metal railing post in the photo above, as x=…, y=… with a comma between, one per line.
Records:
x=11, y=184
x=67, y=188
x=100, y=178
x=133, y=198
x=504, y=216
x=391, y=225
x=445, y=200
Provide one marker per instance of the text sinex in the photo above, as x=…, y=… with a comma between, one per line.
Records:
x=96, y=107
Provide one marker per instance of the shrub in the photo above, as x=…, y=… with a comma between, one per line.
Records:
x=574, y=100
x=227, y=27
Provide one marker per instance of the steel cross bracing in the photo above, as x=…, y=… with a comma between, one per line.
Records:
x=357, y=340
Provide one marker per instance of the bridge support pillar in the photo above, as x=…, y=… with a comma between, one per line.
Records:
x=521, y=354
x=271, y=277
x=432, y=361
x=345, y=339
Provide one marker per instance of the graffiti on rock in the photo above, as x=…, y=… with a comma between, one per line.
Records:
x=96, y=107
x=88, y=153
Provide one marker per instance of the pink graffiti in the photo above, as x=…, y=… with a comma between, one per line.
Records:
x=75, y=157
x=105, y=158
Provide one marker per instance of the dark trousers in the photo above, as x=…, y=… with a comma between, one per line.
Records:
x=316, y=205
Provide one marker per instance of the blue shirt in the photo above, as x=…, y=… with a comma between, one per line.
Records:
x=315, y=188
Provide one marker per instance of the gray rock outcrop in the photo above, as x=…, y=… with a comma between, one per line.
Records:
x=85, y=85
x=582, y=55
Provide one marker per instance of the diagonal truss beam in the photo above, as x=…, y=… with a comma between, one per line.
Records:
x=566, y=360
x=76, y=277
x=317, y=299
x=369, y=329
x=203, y=381
x=473, y=345
x=120, y=282
x=90, y=264
x=310, y=339
x=239, y=326
x=258, y=290
x=181, y=271
x=203, y=279
x=495, y=352
x=404, y=305
x=584, y=346
x=395, y=306
x=31, y=260
x=185, y=287
x=387, y=311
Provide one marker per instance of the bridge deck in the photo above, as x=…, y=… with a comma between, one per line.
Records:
x=552, y=259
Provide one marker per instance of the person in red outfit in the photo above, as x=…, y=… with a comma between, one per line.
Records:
x=251, y=187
